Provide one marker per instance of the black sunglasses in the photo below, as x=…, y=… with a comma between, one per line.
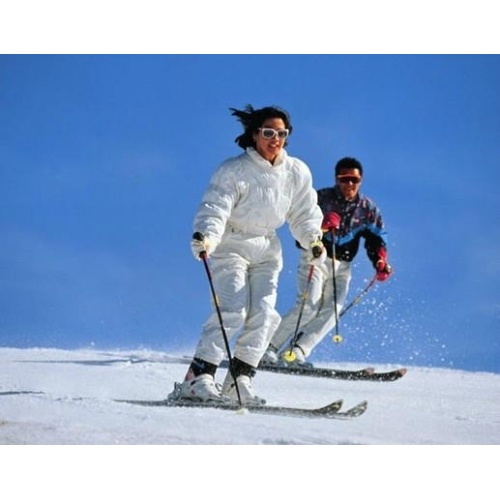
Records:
x=345, y=179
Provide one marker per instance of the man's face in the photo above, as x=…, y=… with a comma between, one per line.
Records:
x=349, y=181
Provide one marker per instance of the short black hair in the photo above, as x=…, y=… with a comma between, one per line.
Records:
x=252, y=119
x=348, y=163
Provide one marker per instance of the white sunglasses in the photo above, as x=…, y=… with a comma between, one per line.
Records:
x=270, y=133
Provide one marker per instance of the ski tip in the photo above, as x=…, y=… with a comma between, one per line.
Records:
x=388, y=376
x=358, y=410
x=352, y=412
x=332, y=407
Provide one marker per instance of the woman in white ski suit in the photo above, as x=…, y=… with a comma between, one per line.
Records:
x=248, y=198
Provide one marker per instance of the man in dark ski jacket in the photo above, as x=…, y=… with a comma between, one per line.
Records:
x=348, y=217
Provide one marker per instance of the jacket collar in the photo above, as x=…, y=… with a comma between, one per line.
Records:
x=263, y=162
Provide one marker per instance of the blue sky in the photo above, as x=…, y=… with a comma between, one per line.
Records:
x=104, y=159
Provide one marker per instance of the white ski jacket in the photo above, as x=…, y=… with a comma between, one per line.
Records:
x=251, y=195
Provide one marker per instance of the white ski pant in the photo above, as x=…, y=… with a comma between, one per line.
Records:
x=318, y=315
x=245, y=270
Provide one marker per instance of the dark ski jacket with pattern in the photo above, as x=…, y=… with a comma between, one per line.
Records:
x=360, y=218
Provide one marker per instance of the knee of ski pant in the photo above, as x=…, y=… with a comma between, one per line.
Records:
x=273, y=321
x=309, y=312
x=234, y=319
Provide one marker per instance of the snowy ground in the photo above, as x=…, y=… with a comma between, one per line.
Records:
x=66, y=397
x=57, y=397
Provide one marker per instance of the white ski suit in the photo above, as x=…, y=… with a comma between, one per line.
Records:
x=318, y=314
x=247, y=199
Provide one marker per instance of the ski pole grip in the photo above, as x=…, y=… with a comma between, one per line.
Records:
x=199, y=237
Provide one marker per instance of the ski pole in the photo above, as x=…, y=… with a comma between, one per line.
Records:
x=359, y=296
x=337, y=338
x=204, y=258
x=290, y=355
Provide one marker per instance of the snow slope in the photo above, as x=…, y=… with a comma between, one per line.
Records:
x=50, y=396
x=56, y=397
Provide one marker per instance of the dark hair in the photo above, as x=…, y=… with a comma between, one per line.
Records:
x=348, y=163
x=252, y=119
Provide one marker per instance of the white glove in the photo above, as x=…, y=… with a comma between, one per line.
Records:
x=317, y=253
x=200, y=244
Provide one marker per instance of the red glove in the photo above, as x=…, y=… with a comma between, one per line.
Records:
x=384, y=270
x=331, y=221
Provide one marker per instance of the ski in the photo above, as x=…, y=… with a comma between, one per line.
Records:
x=368, y=374
x=330, y=411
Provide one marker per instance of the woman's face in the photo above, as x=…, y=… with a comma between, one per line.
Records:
x=269, y=149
